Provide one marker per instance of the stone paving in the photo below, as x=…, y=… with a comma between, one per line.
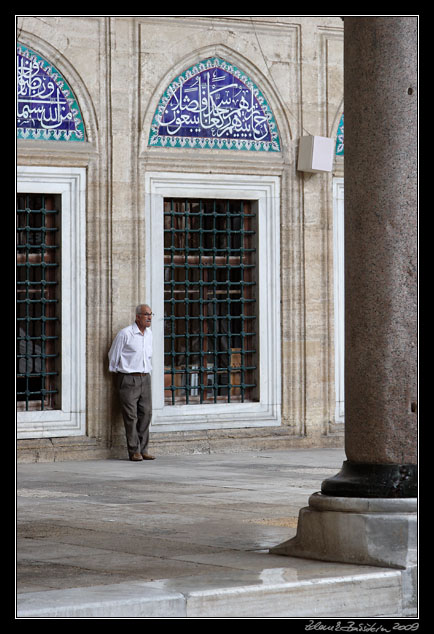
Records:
x=182, y=537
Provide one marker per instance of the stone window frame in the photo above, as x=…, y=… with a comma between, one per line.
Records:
x=70, y=419
x=339, y=297
x=265, y=191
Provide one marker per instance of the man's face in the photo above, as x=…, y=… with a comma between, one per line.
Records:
x=144, y=318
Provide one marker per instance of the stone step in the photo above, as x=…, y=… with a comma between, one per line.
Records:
x=374, y=593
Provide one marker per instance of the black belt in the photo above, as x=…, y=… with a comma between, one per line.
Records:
x=135, y=373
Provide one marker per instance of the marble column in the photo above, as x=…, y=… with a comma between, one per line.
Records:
x=380, y=93
x=366, y=513
x=380, y=88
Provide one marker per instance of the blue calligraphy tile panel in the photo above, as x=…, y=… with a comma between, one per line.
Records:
x=214, y=105
x=46, y=106
x=340, y=138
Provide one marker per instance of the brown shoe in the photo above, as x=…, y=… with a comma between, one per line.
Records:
x=147, y=456
x=136, y=457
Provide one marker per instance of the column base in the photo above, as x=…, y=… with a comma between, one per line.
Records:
x=374, y=532
x=363, y=480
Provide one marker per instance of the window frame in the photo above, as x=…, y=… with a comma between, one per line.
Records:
x=339, y=296
x=70, y=419
x=264, y=191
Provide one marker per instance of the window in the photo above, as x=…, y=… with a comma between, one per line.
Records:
x=213, y=281
x=38, y=297
x=210, y=338
x=51, y=301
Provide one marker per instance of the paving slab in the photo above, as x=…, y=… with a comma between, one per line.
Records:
x=183, y=537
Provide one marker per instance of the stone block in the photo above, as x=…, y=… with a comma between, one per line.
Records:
x=375, y=532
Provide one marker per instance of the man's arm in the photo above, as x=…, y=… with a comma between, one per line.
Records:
x=115, y=351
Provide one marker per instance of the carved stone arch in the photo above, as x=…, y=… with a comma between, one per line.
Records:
x=234, y=60
x=58, y=62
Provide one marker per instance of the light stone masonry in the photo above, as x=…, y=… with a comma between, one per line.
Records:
x=119, y=68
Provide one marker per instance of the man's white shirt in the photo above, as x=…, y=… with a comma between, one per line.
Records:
x=131, y=350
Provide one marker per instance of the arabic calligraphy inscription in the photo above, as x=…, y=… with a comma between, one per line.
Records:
x=340, y=138
x=46, y=107
x=214, y=105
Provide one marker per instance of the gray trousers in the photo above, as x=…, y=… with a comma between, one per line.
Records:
x=136, y=401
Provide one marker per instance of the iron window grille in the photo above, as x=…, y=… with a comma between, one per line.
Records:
x=38, y=302
x=210, y=334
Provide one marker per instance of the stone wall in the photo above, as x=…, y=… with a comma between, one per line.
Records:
x=118, y=68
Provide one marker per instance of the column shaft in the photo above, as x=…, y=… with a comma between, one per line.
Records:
x=380, y=87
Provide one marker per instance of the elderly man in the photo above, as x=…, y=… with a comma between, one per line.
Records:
x=130, y=356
